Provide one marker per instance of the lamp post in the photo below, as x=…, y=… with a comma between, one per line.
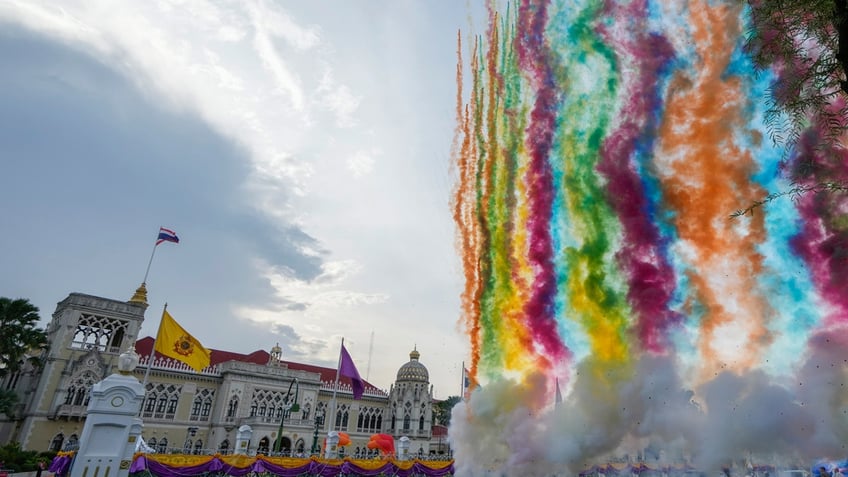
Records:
x=319, y=423
x=286, y=409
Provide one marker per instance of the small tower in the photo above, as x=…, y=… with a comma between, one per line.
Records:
x=86, y=335
x=276, y=356
x=411, y=403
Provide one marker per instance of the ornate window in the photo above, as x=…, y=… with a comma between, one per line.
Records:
x=73, y=443
x=202, y=404
x=370, y=420
x=232, y=407
x=305, y=412
x=163, y=445
x=198, y=446
x=161, y=401
x=407, y=416
x=394, y=415
x=341, y=418
x=100, y=332
x=152, y=443
x=56, y=443
x=270, y=403
x=80, y=387
x=172, y=405
x=421, y=417
x=224, y=447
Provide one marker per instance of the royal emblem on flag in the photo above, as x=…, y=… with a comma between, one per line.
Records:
x=184, y=345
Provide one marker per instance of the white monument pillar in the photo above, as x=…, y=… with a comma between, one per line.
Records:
x=332, y=450
x=243, y=436
x=111, y=427
x=403, y=448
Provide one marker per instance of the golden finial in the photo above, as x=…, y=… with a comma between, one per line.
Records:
x=140, y=296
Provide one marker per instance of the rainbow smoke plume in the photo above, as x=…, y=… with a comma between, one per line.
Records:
x=601, y=148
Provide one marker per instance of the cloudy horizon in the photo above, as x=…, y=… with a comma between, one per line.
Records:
x=300, y=151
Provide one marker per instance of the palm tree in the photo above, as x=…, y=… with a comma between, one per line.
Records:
x=21, y=336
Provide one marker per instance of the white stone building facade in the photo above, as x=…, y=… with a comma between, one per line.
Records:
x=201, y=412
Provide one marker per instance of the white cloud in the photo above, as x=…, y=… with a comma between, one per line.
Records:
x=325, y=303
x=302, y=102
x=362, y=162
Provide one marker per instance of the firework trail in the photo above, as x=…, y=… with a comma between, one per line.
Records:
x=600, y=151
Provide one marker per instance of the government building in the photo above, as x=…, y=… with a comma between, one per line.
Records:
x=285, y=403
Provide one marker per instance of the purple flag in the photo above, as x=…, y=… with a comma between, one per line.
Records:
x=347, y=368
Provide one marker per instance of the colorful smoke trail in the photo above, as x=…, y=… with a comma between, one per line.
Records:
x=600, y=152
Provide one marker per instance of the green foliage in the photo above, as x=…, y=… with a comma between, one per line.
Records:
x=8, y=401
x=801, y=39
x=442, y=410
x=18, y=460
x=21, y=338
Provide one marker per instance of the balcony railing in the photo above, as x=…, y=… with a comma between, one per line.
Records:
x=269, y=420
x=70, y=411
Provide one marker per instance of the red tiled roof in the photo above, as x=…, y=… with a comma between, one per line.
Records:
x=328, y=375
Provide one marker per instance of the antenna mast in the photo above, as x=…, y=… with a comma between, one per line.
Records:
x=370, y=354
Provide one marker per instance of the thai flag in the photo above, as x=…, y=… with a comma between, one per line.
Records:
x=166, y=235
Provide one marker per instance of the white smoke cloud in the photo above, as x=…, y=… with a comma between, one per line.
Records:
x=649, y=413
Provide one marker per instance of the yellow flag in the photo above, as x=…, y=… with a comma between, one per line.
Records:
x=175, y=342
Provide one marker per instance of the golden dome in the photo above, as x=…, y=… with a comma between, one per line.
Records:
x=413, y=370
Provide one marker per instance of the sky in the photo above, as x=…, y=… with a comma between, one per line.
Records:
x=300, y=150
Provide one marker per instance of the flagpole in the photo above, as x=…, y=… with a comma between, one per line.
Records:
x=153, y=351
x=462, y=382
x=149, y=262
x=332, y=414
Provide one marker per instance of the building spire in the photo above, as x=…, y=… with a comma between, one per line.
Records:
x=140, y=295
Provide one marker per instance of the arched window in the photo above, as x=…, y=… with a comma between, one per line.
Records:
x=152, y=443
x=195, y=406
x=73, y=442
x=406, y=421
x=56, y=443
x=264, y=444
x=232, y=407
x=421, y=423
x=79, y=397
x=224, y=447
x=342, y=418
x=79, y=387
x=151, y=403
x=172, y=405
x=163, y=445
x=198, y=446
